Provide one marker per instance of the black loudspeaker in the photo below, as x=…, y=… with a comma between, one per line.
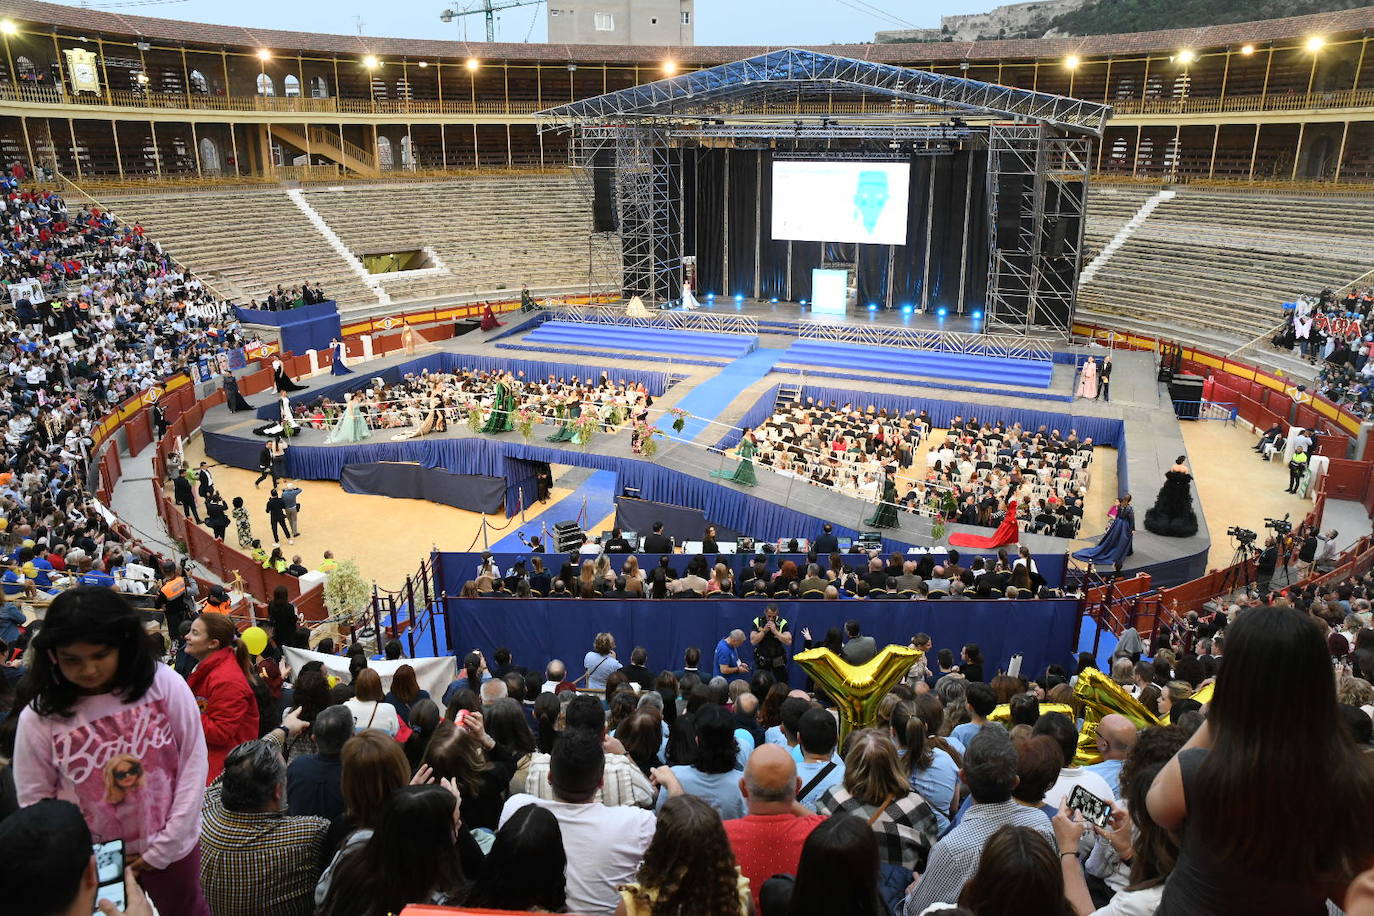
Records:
x=1010, y=191
x=603, y=192
x=1186, y=393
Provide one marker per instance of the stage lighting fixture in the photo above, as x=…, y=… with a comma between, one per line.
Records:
x=941, y=312
x=906, y=310
x=774, y=300
x=739, y=298
x=977, y=316
x=1072, y=61
x=8, y=27
x=802, y=303
x=872, y=306
x=1315, y=43
x=1247, y=50
x=264, y=54
x=1186, y=56
x=473, y=64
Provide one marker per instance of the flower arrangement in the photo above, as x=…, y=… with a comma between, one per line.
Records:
x=647, y=446
x=587, y=426
x=477, y=417
x=679, y=418
x=525, y=419
x=616, y=417
x=937, y=527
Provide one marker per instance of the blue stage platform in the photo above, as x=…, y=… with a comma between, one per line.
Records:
x=642, y=340
x=961, y=366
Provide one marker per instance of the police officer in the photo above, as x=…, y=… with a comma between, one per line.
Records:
x=770, y=639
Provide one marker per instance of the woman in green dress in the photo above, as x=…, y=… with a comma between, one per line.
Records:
x=502, y=406
x=571, y=411
x=886, y=516
x=744, y=474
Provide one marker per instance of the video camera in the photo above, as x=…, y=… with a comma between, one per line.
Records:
x=1281, y=526
x=1244, y=535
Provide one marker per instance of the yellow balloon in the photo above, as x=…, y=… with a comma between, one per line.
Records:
x=857, y=689
x=1003, y=713
x=255, y=638
x=1103, y=696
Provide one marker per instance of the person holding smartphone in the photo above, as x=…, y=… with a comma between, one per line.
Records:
x=119, y=735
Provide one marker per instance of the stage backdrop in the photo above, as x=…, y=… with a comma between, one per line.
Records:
x=727, y=225
x=309, y=327
x=1043, y=632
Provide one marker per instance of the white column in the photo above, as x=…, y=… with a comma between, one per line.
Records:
x=314, y=357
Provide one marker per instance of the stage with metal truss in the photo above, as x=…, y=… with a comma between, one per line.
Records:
x=645, y=155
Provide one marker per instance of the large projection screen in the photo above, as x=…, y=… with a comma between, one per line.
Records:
x=837, y=201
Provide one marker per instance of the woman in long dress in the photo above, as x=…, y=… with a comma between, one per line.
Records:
x=352, y=426
x=744, y=474
x=886, y=516
x=1119, y=541
x=340, y=366
x=1009, y=532
x=233, y=398
x=408, y=339
x=1087, y=380
x=570, y=411
x=434, y=422
x=502, y=405
x=1172, y=514
x=281, y=379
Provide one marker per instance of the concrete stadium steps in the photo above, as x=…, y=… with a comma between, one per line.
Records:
x=642, y=340
x=959, y=366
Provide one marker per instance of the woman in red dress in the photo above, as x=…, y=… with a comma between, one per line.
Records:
x=1009, y=532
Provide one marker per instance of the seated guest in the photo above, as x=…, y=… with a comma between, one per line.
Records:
x=313, y=781
x=712, y=774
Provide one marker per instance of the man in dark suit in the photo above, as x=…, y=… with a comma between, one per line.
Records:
x=858, y=649
x=637, y=671
x=658, y=542
x=827, y=543
x=616, y=543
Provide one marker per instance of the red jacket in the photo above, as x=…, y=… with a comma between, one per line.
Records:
x=228, y=709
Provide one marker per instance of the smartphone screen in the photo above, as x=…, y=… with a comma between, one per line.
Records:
x=109, y=869
x=1096, y=810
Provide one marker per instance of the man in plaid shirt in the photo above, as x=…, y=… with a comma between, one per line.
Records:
x=255, y=858
x=990, y=774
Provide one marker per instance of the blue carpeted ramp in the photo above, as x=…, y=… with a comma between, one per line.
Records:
x=642, y=340
x=961, y=366
x=599, y=491
x=707, y=400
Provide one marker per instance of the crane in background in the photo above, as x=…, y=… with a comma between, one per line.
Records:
x=489, y=9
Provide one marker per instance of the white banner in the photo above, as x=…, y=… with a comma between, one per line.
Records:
x=30, y=289
x=433, y=674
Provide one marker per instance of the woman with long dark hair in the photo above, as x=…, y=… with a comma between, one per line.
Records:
x=505, y=722
x=1018, y=873
x=223, y=687
x=411, y=858
x=95, y=684
x=310, y=695
x=405, y=692
x=424, y=721
x=282, y=613
x=525, y=868
x=463, y=753
x=1220, y=789
x=838, y=871
x=547, y=710
x=688, y=867
x=711, y=774
x=931, y=770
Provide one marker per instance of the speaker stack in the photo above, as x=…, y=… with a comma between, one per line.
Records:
x=568, y=537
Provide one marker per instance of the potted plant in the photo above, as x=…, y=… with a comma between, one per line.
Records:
x=346, y=594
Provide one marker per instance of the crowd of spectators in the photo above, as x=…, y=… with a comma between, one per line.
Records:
x=248, y=789
x=859, y=574
x=971, y=472
x=1336, y=330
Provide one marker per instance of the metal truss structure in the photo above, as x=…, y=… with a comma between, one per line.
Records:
x=1043, y=175
x=1037, y=142
x=671, y=321
x=797, y=75
x=1003, y=345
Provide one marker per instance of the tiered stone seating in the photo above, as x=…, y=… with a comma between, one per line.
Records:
x=491, y=232
x=1109, y=208
x=1224, y=261
x=244, y=243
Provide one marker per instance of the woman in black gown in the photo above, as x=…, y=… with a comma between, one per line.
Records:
x=233, y=398
x=281, y=379
x=1172, y=514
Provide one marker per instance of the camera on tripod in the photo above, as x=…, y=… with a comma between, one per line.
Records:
x=1244, y=535
x=1281, y=526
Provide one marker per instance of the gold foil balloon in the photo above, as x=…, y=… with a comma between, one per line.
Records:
x=1003, y=713
x=1103, y=696
x=857, y=689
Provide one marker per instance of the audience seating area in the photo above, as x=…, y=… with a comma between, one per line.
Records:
x=1260, y=249
x=641, y=340
x=490, y=233
x=960, y=366
x=244, y=243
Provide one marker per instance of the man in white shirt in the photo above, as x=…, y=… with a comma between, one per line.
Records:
x=604, y=846
x=1060, y=727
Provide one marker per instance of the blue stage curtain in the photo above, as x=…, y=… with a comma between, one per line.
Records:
x=522, y=485
x=1102, y=430
x=1042, y=632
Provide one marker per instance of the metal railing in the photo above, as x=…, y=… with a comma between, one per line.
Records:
x=707, y=322
x=1001, y=345
x=1287, y=101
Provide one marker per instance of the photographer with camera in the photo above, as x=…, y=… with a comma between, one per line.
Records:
x=771, y=638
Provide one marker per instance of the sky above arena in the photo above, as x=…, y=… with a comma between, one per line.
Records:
x=719, y=22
